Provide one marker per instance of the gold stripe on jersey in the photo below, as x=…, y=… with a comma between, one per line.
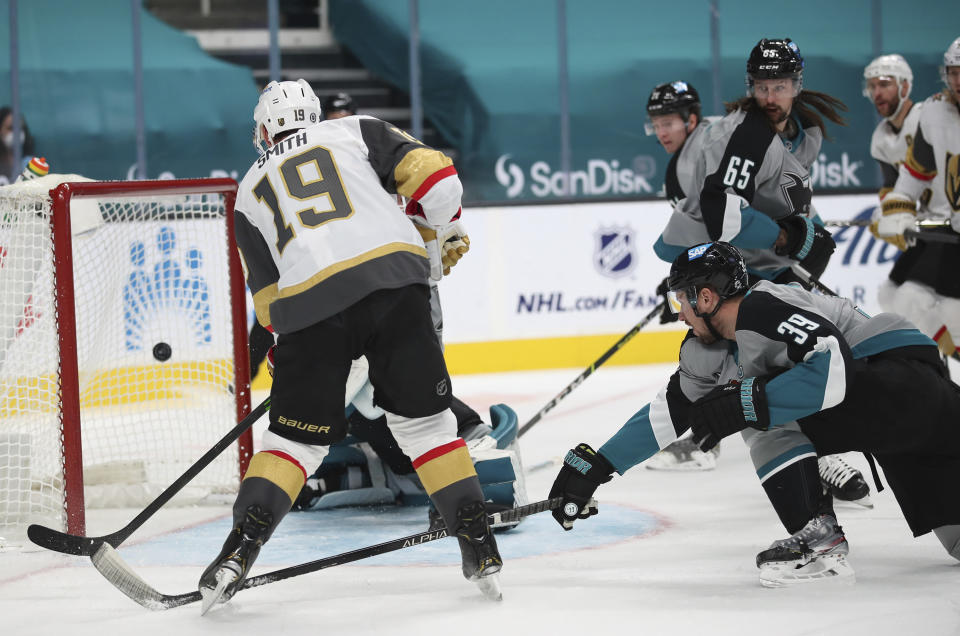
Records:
x=336, y=268
x=416, y=167
x=261, y=303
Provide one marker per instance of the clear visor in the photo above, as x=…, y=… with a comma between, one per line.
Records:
x=780, y=87
x=664, y=123
x=881, y=81
x=673, y=300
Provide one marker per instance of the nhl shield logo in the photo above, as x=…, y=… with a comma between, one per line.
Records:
x=615, y=252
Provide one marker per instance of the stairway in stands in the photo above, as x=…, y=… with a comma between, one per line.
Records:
x=236, y=31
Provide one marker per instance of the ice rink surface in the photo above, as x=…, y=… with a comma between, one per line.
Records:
x=670, y=553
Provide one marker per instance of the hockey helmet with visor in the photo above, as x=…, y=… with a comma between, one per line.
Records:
x=717, y=265
x=774, y=60
x=672, y=97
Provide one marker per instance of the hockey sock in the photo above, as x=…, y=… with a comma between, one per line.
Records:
x=448, y=476
x=273, y=481
x=797, y=494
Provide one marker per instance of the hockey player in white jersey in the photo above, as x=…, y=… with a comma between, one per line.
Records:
x=932, y=163
x=752, y=172
x=776, y=359
x=674, y=113
x=338, y=271
x=887, y=82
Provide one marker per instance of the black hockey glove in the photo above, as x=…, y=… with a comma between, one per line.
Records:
x=583, y=470
x=727, y=410
x=667, y=315
x=807, y=242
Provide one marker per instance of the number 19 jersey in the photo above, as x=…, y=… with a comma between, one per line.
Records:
x=318, y=224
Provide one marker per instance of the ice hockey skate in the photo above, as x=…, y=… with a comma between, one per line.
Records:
x=817, y=552
x=684, y=455
x=223, y=577
x=843, y=481
x=478, y=547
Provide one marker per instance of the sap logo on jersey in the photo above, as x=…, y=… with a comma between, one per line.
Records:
x=825, y=173
x=614, y=254
x=600, y=177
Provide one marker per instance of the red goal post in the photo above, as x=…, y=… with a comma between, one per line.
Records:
x=136, y=288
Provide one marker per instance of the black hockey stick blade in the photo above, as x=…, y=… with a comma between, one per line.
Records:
x=109, y=563
x=87, y=546
x=624, y=339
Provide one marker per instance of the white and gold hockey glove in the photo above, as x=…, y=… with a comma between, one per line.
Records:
x=897, y=213
x=446, y=245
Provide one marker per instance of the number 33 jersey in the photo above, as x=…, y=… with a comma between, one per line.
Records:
x=317, y=219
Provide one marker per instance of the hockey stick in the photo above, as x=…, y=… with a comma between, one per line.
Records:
x=593, y=367
x=932, y=237
x=109, y=563
x=866, y=223
x=810, y=280
x=86, y=546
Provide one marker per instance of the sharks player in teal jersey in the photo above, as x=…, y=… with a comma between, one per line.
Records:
x=752, y=172
x=783, y=366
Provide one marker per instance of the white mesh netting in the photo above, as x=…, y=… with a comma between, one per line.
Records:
x=154, y=345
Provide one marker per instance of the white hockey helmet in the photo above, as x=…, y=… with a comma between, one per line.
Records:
x=951, y=57
x=284, y=106
x=891, y=66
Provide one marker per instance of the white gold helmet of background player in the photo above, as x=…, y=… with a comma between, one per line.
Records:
x=888, y=66
x=951, y=57
x=284, y=106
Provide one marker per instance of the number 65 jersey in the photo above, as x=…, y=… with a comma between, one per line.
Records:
x=809, y=342
x=318, y=224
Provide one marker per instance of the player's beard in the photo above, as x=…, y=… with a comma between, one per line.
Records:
x=890, y=107
x=775, y=114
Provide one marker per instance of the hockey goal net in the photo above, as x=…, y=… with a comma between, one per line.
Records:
x=123, y=344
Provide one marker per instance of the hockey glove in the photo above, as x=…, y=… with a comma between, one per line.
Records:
x=446, y=244
x=584, y=469
x=666, y=315
x=897, y=213
x=806, y=242
x=727, y=410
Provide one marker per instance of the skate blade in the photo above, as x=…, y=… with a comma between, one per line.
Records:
x=863, y=502
x=830, y=567
x=490, y=587
x=210, y=597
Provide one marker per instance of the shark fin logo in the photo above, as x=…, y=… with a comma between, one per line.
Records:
x=510, y=176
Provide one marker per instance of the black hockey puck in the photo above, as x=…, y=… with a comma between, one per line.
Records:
x=162, y=351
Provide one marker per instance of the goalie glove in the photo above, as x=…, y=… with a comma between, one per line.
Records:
x=806, y=242
x=897, y=213
x=729, y=409
x=445, y=244
x=583, y=470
